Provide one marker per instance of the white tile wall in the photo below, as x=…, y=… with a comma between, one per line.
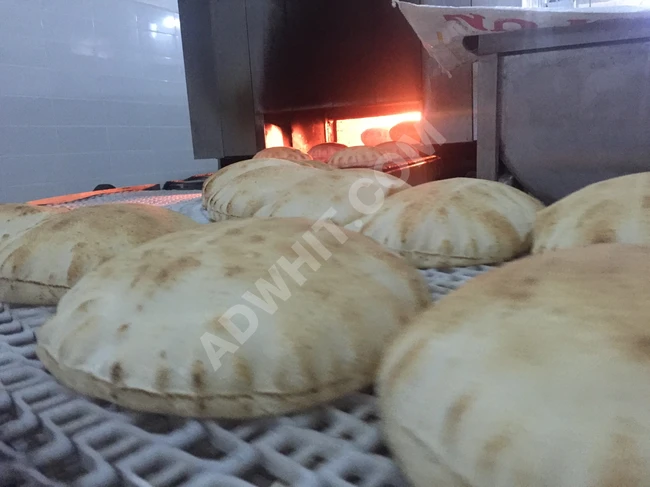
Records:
x=91, y=91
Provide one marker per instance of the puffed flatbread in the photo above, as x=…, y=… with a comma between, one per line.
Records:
x=615, y=210
x=40, y=264
x=264, y=188
x=224, y=321
x=531, y=375
x=455, y=222
x=287, y=153
x=361, y=156
x=323, y=152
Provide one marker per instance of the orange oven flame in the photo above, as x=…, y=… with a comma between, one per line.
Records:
x=372, y=130
x=273, y=136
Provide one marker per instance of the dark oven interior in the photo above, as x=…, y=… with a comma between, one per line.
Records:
x=298, y=73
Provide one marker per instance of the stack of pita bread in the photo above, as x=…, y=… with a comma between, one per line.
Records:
x=534, y=374
x=45, y=251
x=236, y=320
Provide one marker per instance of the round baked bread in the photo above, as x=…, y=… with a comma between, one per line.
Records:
x=615, y=210
x=455, y=222
x=17, y=218
x=362, y=157
x=374, y=136
x=242, y=319
x=323, y=152
x=534, y=374
x=264, y=188
x=41, y=263
x=287, y=153
x=399, y=150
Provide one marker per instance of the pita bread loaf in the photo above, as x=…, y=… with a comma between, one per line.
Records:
x=241, y=189
x=323, y=152
x=264, y=188
x=343, y=196
x=288, y=153
x=534, y=374
x=399, y=150
x=615, y=210
x=40, y=264
x=133, y=331
x=17, y=218
x=356, y=157
x=455, y=222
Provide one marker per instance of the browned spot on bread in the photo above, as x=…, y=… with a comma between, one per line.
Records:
x=61, y=223
x=5, y=236
x=491, y=451
x=25, y=210
x=624, y=466
x=640, y=349
x=404, y=319
x=116, y=373
x=139, y=308
x=198, y=375
x=162, y=378
x=163, y=354
x=601, y=233
x=233, y=270
x=443, y=212
x=234, y=231
x=85, y=306
x=124, y=327
x=184, y=264
x=243, y=370
x=454, y=418
x=323, y=293
x=76, y=269
x=446, y=248
x=18, y=258
x=645, y=204
x=163, y=276
x=258, y=238
x=501, y=227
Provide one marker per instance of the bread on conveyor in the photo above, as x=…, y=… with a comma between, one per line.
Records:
x=534, y=374
x=54, y=249
x=360, y=156
x=614, y=210
x=287, y=153
x=17, y=218
x=266, y=188
x=323, y=152
x=455, y=222
x=242, y=319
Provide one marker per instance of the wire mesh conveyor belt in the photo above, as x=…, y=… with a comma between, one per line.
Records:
x=51, y=436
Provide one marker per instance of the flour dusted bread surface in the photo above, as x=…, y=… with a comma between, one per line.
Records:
x=360, y=156
x=16, y=218
x=240, y=190
x=131, y=331
x=342, y=196
x=41, y=263
x=265, y=188
x=455, y=222
x=534, y=375
x=615, y=210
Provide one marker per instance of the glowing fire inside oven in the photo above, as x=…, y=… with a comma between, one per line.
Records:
x=273, y=136
x=371, y=131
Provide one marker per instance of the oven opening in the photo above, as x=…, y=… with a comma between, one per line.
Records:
x=305, y=131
